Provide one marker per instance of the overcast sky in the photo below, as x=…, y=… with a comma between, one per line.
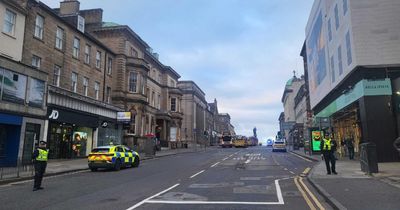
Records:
x=240, y=52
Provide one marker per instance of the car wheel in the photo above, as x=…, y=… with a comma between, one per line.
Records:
x=117, y=165
x=136, y=162
x=93, y=169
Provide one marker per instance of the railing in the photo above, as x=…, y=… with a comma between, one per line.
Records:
x=21, y=170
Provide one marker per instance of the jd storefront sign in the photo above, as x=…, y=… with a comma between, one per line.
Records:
x=71, y=117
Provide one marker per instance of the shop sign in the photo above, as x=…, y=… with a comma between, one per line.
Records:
x=124, y=117
x=316, y=137
x=104, y=124
x=362, y=88
x=54, y=115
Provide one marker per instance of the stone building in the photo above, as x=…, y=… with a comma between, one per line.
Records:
x=22, y=90
x=194, y=108
x=80, y=69
x=141, y=85
x=212, y=114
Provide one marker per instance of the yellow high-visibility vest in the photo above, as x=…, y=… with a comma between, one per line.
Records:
x=43, y=154
x=327, y=144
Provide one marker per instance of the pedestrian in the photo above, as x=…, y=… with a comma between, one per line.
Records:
x=350, y=146
x=39, y=157
x=328, y=147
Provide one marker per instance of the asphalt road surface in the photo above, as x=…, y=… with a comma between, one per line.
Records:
x=219, y=178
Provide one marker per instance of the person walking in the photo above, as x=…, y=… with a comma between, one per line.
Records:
x=39, y=157
x=328, y=147
x=350, y=146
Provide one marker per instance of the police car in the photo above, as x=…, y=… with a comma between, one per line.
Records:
x=113, y=157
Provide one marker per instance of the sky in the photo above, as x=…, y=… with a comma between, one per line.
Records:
x=240, y=52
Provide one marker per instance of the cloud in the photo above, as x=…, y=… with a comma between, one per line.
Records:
x=240, y=52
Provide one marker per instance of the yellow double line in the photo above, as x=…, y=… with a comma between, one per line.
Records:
x=306, y=193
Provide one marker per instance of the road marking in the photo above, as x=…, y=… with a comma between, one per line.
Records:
x=311, y=195
x=291, y=172
x=300, y=156
x=145, y=200
x=197, y=174
x=215, y=164
x=278, y=192
x=306, y=170
x=247, y=161
x=312, y=207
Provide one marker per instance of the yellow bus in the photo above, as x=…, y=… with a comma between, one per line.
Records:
x=240, y=141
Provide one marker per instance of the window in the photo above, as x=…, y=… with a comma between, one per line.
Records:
x=109, y=66
x=172, y=83
x=13, y=87
x=59, y=38
x=39, y=27
x=133, y=52
x=85, y=85
x=36, y=93
x=36, y=61
x=337, y=17
x=97, y=90
x=330, y=29
x=153, y=98
x=9, y=22
x=345, y=7
x=133, y=124
x=57, y=74
x=333, y=68
x=348, y=47
x=75, y=51
x=173, y=104
x=108, y=95
x=159, y=101
x=74, y=83
x=98, y=59
x=87, y=54
x=81, y=24
x=133, y=82
x=340, y=60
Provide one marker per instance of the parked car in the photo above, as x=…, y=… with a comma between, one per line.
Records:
x=270, y=143
x=113, y=157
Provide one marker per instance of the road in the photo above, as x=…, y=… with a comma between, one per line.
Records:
x=230, y=178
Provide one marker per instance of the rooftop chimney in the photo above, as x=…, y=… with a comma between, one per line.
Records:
x=69, y=7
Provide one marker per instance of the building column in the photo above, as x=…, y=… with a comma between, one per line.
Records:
x=378, y=126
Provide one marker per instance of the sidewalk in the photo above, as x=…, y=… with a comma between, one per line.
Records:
x=353, y=189
x=55, y=167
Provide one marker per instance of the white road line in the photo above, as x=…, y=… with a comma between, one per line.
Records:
x=145, y=200
x=278, y=192
x=215, y=164
x=197, y=174
x=225, y=158
x=291, y=172
x=214, y=202
x=300, y=157
x=247, y=161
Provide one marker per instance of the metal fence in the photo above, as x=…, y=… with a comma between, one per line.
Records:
x=21, y=170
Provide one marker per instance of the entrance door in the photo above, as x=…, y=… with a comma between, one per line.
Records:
x=60, y=141
x=32, y=135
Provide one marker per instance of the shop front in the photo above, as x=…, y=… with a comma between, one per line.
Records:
x=109, y=131
x=363, y=113
x=10, y=131
x=71, y=134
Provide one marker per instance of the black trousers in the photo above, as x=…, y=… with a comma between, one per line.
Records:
x=330, y=162
x=40, y=168
x=351, y=152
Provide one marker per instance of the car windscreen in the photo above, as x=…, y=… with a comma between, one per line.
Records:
x=100, y=150
x=279, y=142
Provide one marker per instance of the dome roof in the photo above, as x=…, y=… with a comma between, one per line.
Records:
x=289, y=82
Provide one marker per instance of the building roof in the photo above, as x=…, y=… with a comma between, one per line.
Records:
x=109, y=24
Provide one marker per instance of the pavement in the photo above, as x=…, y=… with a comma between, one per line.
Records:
x=354, y=189
x=62, y=166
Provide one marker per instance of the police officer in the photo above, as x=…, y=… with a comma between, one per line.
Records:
x=328, y=148
x=39, y=157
